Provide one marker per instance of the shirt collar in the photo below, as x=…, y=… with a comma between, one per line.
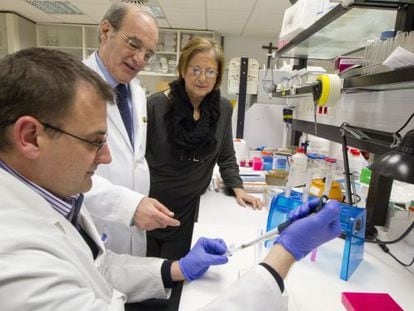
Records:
x=108, y=77
x=63, y=206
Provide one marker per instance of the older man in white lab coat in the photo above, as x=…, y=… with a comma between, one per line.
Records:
x=128, y=37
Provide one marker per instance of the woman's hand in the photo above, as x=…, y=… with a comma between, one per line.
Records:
x=243, y=198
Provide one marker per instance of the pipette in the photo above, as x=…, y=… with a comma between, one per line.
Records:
x=276, y=231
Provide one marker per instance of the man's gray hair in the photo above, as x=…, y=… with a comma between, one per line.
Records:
x=117, y=12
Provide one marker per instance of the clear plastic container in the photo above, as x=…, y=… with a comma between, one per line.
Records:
x=267, y=160
x=280, y=162
x=298, y=168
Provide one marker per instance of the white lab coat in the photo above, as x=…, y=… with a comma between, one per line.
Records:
x=46, y=265
x=118, y=187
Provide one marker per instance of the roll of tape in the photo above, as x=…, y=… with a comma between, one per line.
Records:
x=331, y=90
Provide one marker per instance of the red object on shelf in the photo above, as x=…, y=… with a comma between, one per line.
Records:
x=354, y=301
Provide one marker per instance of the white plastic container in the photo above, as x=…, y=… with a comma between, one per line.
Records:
x=297, y=18
x=299, y=164
x=356, y=162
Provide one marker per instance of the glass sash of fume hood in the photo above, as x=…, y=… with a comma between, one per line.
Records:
x=341, y=31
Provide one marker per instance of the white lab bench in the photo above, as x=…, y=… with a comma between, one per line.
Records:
x=310, y=285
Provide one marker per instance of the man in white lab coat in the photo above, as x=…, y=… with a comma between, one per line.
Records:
x=128, y=36
x=52, y=139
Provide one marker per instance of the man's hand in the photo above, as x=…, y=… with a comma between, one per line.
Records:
x=151, y=214
x=243, y=198
x=309, y=232
x=206, y=252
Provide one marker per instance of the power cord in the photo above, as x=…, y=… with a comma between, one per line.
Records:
x=385, y=248
x=402, y=236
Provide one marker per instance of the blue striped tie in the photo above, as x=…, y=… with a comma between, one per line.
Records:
x=122, y=102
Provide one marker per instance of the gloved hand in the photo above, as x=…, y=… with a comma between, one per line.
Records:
x=304, y=209
x=305, y=234
x=206, y=252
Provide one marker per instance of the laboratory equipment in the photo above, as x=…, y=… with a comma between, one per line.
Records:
x=352, y=222
x=398, y=164
x=330, y=172
x=318, y=187
x=311, y=166
x=270, y=234
x=298, y=167
x=276, y=231
x=353, y=301
x=267, y=160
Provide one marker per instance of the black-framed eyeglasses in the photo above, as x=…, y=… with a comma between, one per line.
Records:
x=209, y=73
x=136, y=45
x=98, y=144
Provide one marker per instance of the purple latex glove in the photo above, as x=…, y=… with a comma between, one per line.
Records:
x=305, y=234
x=304, y=209
x=205, y=252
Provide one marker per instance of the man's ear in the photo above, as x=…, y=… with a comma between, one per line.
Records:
x=105, y=30
x=26, y=136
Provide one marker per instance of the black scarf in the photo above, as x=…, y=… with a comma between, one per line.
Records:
x=189, y=138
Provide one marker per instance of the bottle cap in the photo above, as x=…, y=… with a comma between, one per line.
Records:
x=300, y=149
x=355, y=152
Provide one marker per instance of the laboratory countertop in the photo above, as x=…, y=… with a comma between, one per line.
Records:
x=310, y=285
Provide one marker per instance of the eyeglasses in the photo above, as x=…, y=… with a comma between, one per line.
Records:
x=209, y=73
x=98, y=144
x=136, y=45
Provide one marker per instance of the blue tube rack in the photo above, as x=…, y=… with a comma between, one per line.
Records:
x=353, y=228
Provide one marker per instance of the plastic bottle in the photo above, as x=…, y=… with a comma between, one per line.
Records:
x=297, y=175
x=267, y=160
x=356, y=162
x=280, y=162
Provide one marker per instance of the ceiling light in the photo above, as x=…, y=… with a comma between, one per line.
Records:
x=156, y=10
x=136, y=1
x=56, y=7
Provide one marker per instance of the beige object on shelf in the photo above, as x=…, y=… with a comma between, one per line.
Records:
x=162, y=85
x=277, y=177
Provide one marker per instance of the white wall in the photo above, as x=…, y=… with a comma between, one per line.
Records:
x=16, y=33
x=27, y=33
x=246, y=47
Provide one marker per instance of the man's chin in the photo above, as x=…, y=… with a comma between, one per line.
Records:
x=86, y=186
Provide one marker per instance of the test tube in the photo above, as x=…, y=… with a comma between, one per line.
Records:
x=331, y=162
x=288, y=187
x=309, y=175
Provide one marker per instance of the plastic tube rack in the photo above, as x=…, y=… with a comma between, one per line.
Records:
x=352, y=221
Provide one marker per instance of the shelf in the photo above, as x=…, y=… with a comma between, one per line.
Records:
x=342, y=30
x=398, y=79
x=392, y=80
x=58, y=47
x=333, y=133
x=156, y=74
